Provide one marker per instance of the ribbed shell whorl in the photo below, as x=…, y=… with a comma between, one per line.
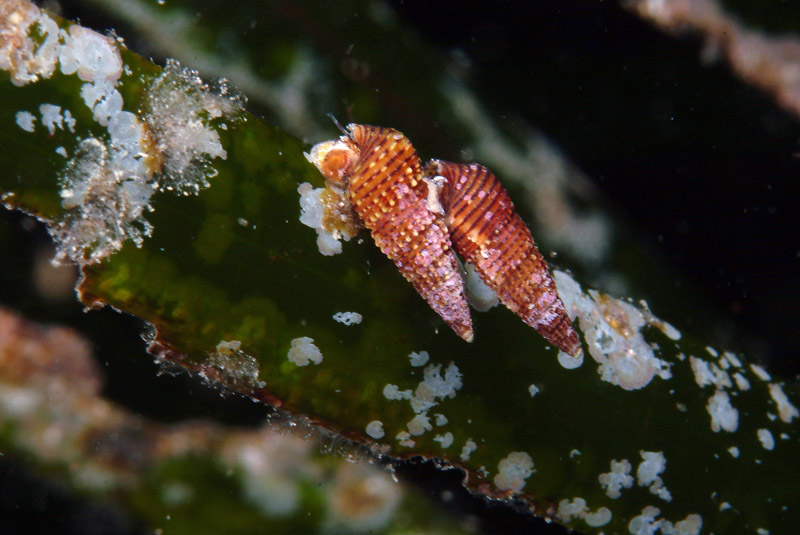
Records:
x=387, y=190
x=487, y=232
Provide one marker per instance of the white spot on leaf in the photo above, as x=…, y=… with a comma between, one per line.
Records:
x=446, y=440
x=786, y=410
x=303, y=351
x=26, y=120
x=513, y=471
x=375, y=429
x=723, y=415
x=612, y=330
x=348, y=318
x=469, y=447
x=766, y=439
x=180, y=110
x=418, y=359
x=618, y=478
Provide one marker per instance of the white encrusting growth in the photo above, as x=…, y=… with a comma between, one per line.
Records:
x=419, y=424
x=418, y=359
x=647, y=474
x=766, y=439
x=430, y=389
x=670, y=331
x=105, y=194
x=760, y=372
x=690, y=525
x=103, y=99
x=233, y=366
x=303, y=351
x=348, y=318
x=312, y=214
x=732, y=359
x=786, y=411
x=741, y=382
x=375, y=429
x=93, y=57
x=601, y=517
x=27, y=59
x=392, y=392
x=513, y=470
x=618, y=478
x=107, y=185
x=612, y=330
x=119, y=184
x=96, y=53
x=647, y=523
x=180, y=112
x=723, y=415
x=567, y=509
x=69, y=120
x=708, y=373
x=404, y=439
x=446, y=440
x=577, y=508
x=26, y=120
x=434, y=387
x=466, y=451
x=653, y=463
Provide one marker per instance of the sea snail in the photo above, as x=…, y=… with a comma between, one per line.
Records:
x=420, y=218
x=382, y=175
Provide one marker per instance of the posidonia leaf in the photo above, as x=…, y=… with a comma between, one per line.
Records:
x=647, y=431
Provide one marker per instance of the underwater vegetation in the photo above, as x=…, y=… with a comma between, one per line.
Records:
x=182, y=195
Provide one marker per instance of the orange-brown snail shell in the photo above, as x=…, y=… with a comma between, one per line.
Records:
x=382, y=174
x=488, y=233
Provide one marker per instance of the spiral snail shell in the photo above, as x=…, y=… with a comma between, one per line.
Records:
x=382, y=174
x=421, y=218
x=489, y=234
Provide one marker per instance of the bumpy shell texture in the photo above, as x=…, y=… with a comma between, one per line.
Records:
x=488, y=233
x=387, y=191
x=418, y=218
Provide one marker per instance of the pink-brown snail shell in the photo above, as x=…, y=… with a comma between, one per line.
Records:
x=382, y=174
x=420, y=218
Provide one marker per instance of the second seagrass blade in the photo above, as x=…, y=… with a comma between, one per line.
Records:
x=388, y=192
x=488, y=233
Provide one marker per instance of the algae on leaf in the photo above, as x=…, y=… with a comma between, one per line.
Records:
x=184, y=210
